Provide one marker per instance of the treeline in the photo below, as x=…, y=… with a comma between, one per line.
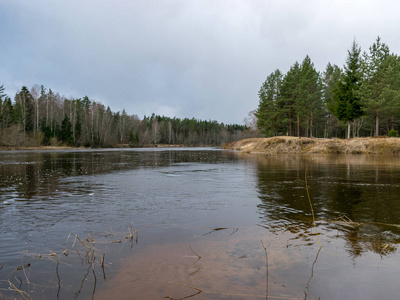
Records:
x=39, y=116
x=360, y=99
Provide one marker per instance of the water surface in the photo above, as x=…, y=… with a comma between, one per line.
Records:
x=203, y=218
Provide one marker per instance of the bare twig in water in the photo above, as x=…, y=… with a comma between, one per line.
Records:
x=345, y=220
x=84, y=244
x=14, y=288
x=194, y=272
x=82, y=259
x=95, y=282
x=59, y=281
x=17, y=285
x=266, y=268
x=215, y=229
x=131, y=233
x=312, y=275
x=312, y=211
x=221, y=293
x=102, y=266
x=199, y=257
x=82, y=282
x=234, y=230
x=20, y=281
x=23, y=268
x=185, y=285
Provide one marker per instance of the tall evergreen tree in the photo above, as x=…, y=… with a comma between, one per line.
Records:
x=2, y=93
x=5, y=109
x=380, y=89
x=330, y=79
x=309, y=104
x=290, y=92
x=65, y=134
x=268, y=113
x=24, y=110
x=346, y=94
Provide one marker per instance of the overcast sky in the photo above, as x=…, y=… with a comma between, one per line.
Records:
x=186, y=58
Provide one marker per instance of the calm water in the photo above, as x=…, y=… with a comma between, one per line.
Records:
x=68, y=222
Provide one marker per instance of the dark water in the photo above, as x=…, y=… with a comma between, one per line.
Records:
x=191, y=203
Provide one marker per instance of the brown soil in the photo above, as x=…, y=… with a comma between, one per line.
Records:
x=289, y=145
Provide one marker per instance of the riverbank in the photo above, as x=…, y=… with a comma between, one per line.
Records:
x=294, y=145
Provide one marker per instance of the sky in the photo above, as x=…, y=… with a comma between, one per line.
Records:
x=202, y=59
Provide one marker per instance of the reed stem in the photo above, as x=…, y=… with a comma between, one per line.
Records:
x=312, y=211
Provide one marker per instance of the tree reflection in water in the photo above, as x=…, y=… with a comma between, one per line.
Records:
x=364, y=189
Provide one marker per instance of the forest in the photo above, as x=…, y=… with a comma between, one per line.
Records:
x=41, y=117
x=360, y=99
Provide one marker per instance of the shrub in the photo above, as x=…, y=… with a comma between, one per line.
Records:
x=393, y=133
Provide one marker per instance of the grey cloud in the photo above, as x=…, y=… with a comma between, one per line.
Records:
x=202, y=59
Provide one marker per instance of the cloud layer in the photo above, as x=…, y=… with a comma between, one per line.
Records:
x=201, y=58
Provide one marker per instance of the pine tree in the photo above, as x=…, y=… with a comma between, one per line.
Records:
x=380, y=88
x=330, y=79
x=290, y=97
x=309, y=104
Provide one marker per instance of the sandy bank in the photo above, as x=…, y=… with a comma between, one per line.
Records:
x=288, y=145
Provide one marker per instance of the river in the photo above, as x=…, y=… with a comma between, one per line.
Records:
x=199, y=223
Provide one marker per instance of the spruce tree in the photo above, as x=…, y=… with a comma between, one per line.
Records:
x=24, y=112
x=268, y=113
x=2, y=94
x=346, y=94
x=380, y=88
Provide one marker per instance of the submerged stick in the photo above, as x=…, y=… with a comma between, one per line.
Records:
x=102, y=266
x=266, y=266
x=82, y=282
x=225, y=293
x=312, y=211
x=15, y=289
x=95, y=282
x=199, y=257
x=59, y=281
x=312, y=274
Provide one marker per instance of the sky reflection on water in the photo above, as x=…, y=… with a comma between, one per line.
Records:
x=175, y=198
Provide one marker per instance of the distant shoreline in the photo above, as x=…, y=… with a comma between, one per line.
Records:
x=294, y=145
x=119, y=146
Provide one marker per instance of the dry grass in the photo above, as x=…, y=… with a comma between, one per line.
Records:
x=91, y=258
x=294, y=145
